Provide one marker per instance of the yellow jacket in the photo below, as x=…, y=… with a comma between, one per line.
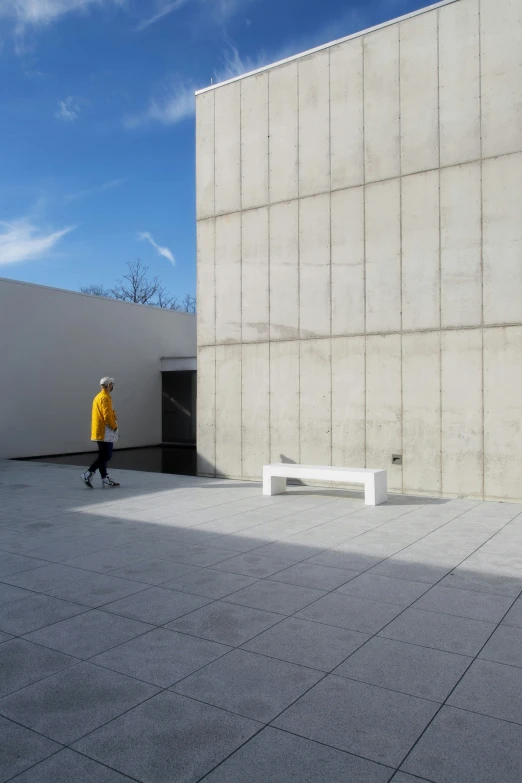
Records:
x=102, y=414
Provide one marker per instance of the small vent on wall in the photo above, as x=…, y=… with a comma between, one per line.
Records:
x=396, y=459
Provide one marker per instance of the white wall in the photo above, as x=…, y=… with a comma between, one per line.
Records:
x=54, y=348
x=367, y=299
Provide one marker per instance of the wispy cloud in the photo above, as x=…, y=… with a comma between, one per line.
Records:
x=163, y=9
x=68, y=110
x=21, y=240
x=110, y=185
x=163, y=251
x=173, y=103
x=27, y=13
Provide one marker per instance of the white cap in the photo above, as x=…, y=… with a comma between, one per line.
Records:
x=106, y=381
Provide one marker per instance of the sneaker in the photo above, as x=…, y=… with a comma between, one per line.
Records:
x=108, y=482
x=86, y=478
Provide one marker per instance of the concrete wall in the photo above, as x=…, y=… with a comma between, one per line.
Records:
x=54, y=348
x=360, y=257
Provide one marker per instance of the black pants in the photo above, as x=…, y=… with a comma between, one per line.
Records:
x=104, y=456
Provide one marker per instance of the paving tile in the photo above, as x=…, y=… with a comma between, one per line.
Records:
x=210, y=583
x=251, y=685
x=351, y=561
x=96, y=589
x=310, y=644
x=45, y=578
x=22, y=663
x=514, y=616
x=441, y=631
x=156, y=605
x=251, y=564
x=347, y=611
x=74, y=702
x=377, y=724
x=20, y=749
x=492, y=689
x=401, y=777
x=68, y=766
x=290, y=550
x=38, y=611
x=10, y=593
x=468, y=748
x=505, y=646
x=418, y=671
x=88, y=634
x=467, y=579
x=198, y=555
x=154, y=572
x=275, y=597
x=4, y=637
x=465, y=603
x=384, y=588
x=316, y=576
x=226, y=623
x=415, y=568
x=169, y=738
x=11, y=563
x=279, y=757
x=104, y=561
x=161, y=657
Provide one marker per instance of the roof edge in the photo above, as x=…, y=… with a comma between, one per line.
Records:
x=398, y=19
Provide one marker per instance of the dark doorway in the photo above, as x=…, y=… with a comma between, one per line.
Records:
x=179, y=407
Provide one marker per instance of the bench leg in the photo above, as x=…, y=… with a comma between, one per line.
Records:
x=273, y=485
x=376, y=490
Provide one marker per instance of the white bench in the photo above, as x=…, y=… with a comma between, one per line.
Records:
x=375, y=483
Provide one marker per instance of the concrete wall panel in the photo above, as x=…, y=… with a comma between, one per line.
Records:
x=420, y=251
x=315, y=400
x=419, y=92
x=421, y=413
x=254, y=141
x=206, y=293
x=502, y=428
x=347, y=236
x=228, y=149
x=205, y=155
x=461, y=245
x=228, y=278
x=255, y=409
x=255, y=275
x=383, y=262
x=314, y=266
x=284, y=401
x=381, y=104
x=206, y=410
x=501, y=66
x=383, y=405
x=462, y=415
x=348, y=402
x=502, y=216
x=284, y=271
x=459, y=72
x=228, y=410
x=347, y=114
x=283, y=146
x=314, y=124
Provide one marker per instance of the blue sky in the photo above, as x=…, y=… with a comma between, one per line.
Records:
x=97, y=122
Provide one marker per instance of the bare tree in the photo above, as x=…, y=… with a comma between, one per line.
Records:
x=137, y=287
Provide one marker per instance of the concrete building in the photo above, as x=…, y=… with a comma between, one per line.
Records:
x=54, y=348
x=360, y=256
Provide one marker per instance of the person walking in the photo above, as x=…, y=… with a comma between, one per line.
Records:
x=104, y=432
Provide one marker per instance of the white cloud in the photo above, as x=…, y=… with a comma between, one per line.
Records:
x=68, y=110
x=21, y=240
x=175, y=103
x=163, y=251
x=40, y=12
x=163, y=10
x=110, y=185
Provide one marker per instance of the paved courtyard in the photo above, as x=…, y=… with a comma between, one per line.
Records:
x=182, y=629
